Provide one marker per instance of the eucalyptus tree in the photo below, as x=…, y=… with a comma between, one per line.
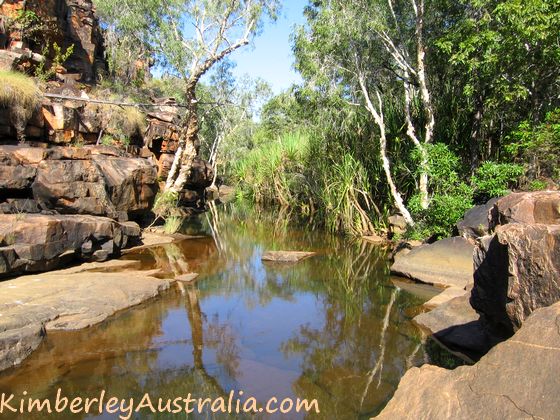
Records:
x=233, y=116
x=506, y=57
x=372, y=52
x=187, y=38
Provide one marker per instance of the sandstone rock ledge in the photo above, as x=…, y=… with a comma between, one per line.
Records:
x=38, y=242
x=517, y=379
x=445, y=263
x=68, y=299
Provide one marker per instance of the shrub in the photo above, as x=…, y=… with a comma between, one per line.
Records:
x=21, y=96
x=122, y=124
x=538, y=185
x=59, y=58
x=274, y=171
x=493, y=179
x=345, y=197
x=172, y=224
x=538, y=146
x=450, y=197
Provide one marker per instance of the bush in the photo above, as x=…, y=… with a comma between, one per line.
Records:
x=345, y=197
x=122, y=124
x=538, y=146
x=274, y=171
x=21, y=96
x=450, y=197
x=493, y=179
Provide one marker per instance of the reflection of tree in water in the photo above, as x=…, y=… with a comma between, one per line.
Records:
x=352, y=361
x=219, y=337
x=351, y=358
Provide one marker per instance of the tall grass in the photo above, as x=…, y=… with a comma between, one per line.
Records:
x=345, y=197
x=21, y=95
x=292, y=172
x=275, y=171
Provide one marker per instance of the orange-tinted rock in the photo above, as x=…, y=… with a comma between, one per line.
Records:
x=517, y=270
x=527, y=207
x=38, y=242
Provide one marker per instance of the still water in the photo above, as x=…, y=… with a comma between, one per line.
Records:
x=332, y=328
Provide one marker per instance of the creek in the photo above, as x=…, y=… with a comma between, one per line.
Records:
x=332, y=327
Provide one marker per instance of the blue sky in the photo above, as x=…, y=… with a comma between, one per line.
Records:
x=270, y=57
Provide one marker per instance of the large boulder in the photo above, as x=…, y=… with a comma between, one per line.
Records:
x=475, y=222
x=445, y=263
x=517, y=379
x=101, y=181
x=517, y=270
x=131, y=184
x=14, y=174
x=527, y=207
x=37, y=242
x=455, y=325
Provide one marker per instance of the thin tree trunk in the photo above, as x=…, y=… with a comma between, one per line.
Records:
x=476, y=133
x=378, y=117
x=187, y=150
x=426, y=101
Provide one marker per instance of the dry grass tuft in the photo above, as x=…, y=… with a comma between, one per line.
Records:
x=21, y=96
x=19, y=90
x=122, y=123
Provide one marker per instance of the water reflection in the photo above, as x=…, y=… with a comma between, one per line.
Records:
x=332, y=327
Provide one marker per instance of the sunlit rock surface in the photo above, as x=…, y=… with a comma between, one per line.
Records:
x=99, y=181
x=65, y=300
x=38, y=242
x=444, y=263
x=517, y=379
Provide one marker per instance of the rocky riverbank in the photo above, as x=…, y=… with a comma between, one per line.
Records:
x=69, y=299
x=504, y=317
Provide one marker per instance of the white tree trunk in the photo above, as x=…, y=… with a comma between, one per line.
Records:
x=379, y=120
x=426, y=101
x=187, y=158
x=174, y=166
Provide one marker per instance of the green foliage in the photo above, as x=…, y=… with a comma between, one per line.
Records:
x=496, y=179
x=274, y=172
x=538, y=146
x=165, y=203
x=538, y=185
x=26, y=22
x=450, y=197
x=59, y=58
x=291, y=173
x=163, y=30
x=109, y=140
x=502, y=56
x=172, y=224
x=345, y=197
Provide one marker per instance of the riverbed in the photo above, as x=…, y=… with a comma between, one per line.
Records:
x=332, y=327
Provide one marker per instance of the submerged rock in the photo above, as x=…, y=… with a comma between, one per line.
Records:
x=456, y=326
x=286, y=256
x=37, y=242
x=187, y=278
x=506, y=383
x=517, y=270
x=445, y=263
